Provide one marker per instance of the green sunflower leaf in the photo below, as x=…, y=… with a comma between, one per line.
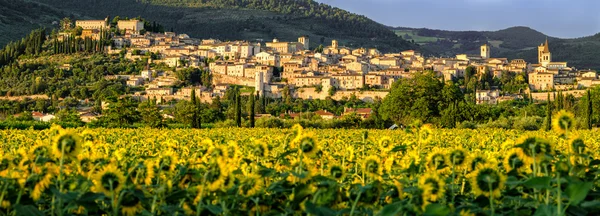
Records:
x=27, y=210
x=578, y=192
x=390, y=209
x=538, y=182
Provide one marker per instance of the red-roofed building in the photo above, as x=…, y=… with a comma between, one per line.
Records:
x=364, y=113
x=325, y=115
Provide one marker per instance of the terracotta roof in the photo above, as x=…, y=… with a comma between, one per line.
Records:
x=324, y=113
x=359, y=110
x=37, y=114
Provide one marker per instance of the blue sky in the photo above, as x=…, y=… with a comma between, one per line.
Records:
x=557, y=18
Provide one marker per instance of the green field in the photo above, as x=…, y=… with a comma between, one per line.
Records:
x=411, y=35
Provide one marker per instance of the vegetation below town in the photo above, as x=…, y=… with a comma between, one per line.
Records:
x=512, y=43
x=231, y=20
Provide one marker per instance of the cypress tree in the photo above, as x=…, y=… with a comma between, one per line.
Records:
x=198, y=111
x=252, y=99
x=194, y=109
x=549, y=114
x=238, y=109
x=589, y=110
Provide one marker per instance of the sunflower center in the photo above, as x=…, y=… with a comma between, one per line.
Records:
x=515, y=162
x=4, y=164
x=129, y=200
x=336, y=172
x=435, y=185
x=307, y=146
x=457, y=157
x=437, y=161
x=213, y=174
x=68, y=143
x=488, y=180
x=109, y=178
x=372, y=166
x=565, y=122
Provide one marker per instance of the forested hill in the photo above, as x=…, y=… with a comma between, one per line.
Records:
x=514, y=42
x=18, y=18
x=243, y=19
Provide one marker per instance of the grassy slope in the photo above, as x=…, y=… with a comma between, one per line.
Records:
x=516, y=42
x=223, y=23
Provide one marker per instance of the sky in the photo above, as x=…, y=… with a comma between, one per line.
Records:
x=556, y=18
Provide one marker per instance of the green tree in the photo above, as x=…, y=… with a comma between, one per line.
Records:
x=413, y=99
x=238, y=109
x=252, y=104
x=150, y=114
x=589, y=110
x=68, y=116
x=122, y=113
x=195, y=115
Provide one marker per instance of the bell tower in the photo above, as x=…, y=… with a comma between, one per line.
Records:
x=544, y=54
x=485, y=51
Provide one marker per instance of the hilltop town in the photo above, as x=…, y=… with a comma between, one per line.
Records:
x=315, y=72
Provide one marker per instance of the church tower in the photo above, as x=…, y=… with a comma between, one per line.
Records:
x=305, y=42
x=485, y=51
x=544, y=55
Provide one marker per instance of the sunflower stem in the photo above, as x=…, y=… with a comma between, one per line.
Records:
x=491, y=197
x=60, y=180
x=355, y=203
x=558, y=193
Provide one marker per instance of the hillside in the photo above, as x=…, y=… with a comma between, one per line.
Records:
x=18, y=18
x=514, y=42
x=230, y=20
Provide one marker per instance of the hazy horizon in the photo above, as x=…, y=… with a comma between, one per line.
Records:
x=556, y=18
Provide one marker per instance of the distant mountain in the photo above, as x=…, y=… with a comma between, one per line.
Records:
x=222, y=19
x=514, y=42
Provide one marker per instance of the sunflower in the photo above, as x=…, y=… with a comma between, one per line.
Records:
x=385, y=143
x=337, y=173
x=515, y=159
x=109, y=180
x=477, y=159
x=487, y=181
x=577, y=145
x=150, y=166
x=436, y=160
x=297, y=130
x=251, y=185
x=43, y=176
x=457, y=157
x=233, y=151
x=215, y=175
x=308, y=145
x=131, y=204
x=260, y=149
x=426, y=133
x=372, y=166
x=563, y=121
x=433, y=187
x=535, y=148
x=168, y=161
x=399, y=188
x=66, y=144
x=39, y=151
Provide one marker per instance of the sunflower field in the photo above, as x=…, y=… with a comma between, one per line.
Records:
x=418, y=171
